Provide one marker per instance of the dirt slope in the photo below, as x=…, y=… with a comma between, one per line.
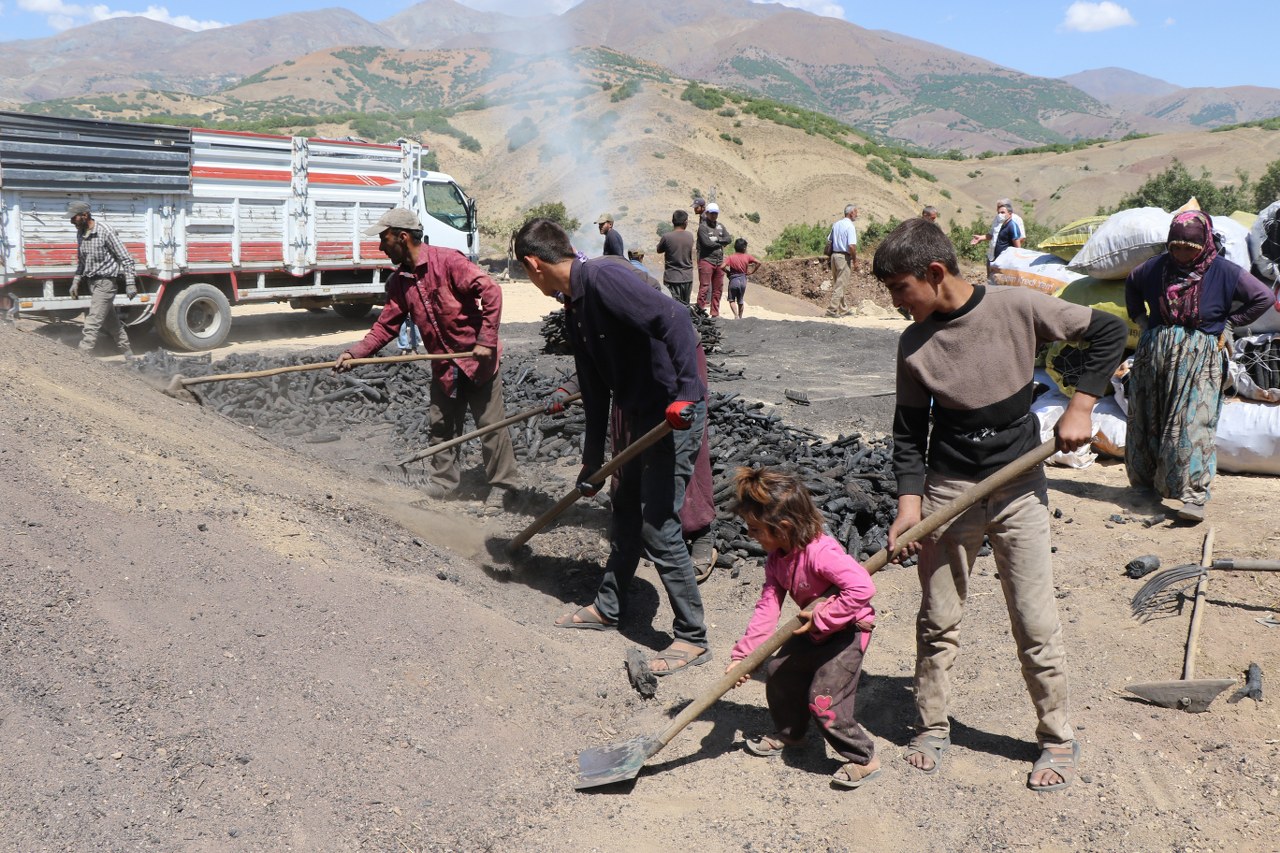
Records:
x=213, y=643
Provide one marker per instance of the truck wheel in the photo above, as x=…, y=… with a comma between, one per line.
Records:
x=197, y=318
x=352, y=310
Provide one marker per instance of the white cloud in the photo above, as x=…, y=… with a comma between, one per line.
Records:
x=825, y=8
x=1169, y=22
x=62, y=15
x=1085, y=17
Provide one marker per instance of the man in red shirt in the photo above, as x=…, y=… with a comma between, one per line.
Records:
x=457, y=308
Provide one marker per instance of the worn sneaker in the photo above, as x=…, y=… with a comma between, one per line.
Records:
x=497, y=498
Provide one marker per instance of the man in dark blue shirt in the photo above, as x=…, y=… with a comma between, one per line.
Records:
x=612, y=239
x=635, y=347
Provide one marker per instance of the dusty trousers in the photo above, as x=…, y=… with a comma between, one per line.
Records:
x=820, y=681
x=1016, y=520
x=448, y=420
x=646, y=522
x=103, y=317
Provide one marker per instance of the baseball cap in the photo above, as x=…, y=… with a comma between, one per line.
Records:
x=699, y=202
x=713, y=208
x=397, y=217
x=604, y=217
x=76, y=208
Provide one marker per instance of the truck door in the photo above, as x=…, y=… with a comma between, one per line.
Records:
x=452, y=219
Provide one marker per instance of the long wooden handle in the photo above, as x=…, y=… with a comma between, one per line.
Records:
x=875, y=563
x=1227, y=565
x=628, y=453
x=476, y=433
x=1197, y=609
x=325, y=365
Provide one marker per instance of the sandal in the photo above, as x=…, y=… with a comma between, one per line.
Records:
x=1063, y=765
x=678, y=660
x=930, y=746
x=586, y=619
x=854, y=775
x=767, y=746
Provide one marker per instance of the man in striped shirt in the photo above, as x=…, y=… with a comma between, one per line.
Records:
x=101, y=260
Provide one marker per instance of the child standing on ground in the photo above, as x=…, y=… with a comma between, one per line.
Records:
x=815, y=673
x=739, y=265
x=964, y=388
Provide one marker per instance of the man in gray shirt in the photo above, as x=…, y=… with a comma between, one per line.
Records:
x=676, y=247
x=712, y=238
x=101, y=259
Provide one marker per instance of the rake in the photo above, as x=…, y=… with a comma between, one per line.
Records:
x=1155, y=593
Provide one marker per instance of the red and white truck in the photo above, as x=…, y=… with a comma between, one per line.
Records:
x=212, y=218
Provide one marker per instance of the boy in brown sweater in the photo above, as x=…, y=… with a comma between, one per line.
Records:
x=967, y=363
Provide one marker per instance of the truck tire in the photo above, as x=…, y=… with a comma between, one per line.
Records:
x=352, y=310
x=197, y=318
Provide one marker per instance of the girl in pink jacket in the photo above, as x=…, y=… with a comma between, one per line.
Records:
x=815, y=673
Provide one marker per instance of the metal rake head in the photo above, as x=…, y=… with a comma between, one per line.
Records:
x=1158, y=593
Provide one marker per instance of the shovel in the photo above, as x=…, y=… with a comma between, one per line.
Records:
x=179, y=384
x=1189, y=693
x=622, y=761
x=503, y=550
x=505, y=422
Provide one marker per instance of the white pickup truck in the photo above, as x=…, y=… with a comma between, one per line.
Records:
x=212, y=218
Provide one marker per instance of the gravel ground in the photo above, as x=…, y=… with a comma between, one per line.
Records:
x=212, y=641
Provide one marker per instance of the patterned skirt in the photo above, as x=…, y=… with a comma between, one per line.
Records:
x=1175, y=399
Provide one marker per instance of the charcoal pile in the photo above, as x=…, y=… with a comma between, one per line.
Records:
x=556, y=341
x=850, y=478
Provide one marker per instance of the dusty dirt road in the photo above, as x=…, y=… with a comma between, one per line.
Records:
x=211, y=642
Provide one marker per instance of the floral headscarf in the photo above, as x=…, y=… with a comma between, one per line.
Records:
x=1180, y=292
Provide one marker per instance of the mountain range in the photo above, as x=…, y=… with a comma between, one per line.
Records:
x=893, y=87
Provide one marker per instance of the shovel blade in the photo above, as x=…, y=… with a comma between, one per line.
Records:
x=618, y=762
x=1192, y=696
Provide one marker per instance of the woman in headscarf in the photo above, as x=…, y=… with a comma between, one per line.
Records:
x=1182, y=301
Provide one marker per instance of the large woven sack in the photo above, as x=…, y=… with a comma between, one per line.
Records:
x=1105, y=296
x=1262, y=245
x=1235, y=240
x=1125, y=240
x=1028, y=268
x=1248, y=438
x=1067, y=241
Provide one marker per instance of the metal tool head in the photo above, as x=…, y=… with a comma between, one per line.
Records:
x=1193, y=696
x=1159, y=591
x=619, y=762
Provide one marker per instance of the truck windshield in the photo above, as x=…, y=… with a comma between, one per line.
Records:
x=446, y=203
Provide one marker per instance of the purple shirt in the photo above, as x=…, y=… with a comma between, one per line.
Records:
x=631, y=344
x=807, y=573
x=1223, y=283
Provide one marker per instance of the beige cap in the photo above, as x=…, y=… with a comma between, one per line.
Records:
x=397, y=217
x=604, y=217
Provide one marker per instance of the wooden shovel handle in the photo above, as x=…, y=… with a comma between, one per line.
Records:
x=628, y=453
x=505, y=422
x=325, y=365
x=875, y=563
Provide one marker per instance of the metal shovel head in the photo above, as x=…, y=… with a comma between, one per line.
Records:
x=618, y=762
x=1193, y=696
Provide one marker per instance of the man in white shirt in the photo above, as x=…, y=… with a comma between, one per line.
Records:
x=842, y=248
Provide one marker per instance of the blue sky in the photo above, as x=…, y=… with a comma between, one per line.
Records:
x=1187, y=43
